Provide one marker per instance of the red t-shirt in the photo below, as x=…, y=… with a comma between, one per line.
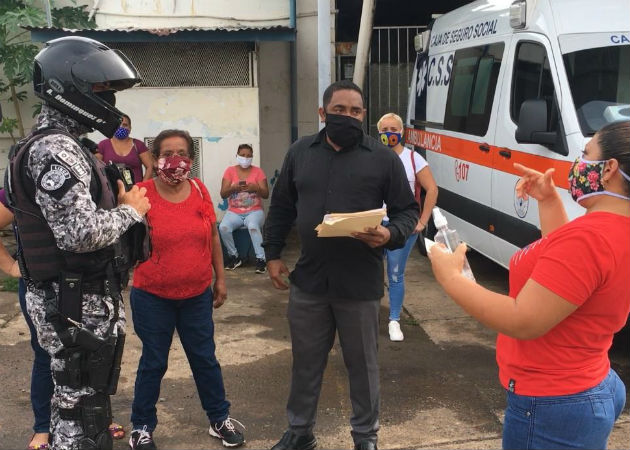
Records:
x=244, y=202
x=181, y=262
x=587, y=263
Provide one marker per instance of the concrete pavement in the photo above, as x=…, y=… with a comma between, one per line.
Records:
x=439, y=386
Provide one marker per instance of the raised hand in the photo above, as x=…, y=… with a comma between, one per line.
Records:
x=535, y=184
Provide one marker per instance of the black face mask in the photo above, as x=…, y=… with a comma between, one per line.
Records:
x=344, y=131
x=107, y=96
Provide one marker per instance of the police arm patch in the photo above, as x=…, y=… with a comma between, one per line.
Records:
x=72, y=162
x=56, y=180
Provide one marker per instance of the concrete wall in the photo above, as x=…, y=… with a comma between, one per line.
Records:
x=275, y=109
x=190, y=13
x=308, y=121
x=274, y=84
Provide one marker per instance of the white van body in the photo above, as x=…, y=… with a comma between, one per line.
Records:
x=571, y=57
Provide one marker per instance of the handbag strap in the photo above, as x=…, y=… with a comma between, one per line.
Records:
x=205, y=200
x=416, y=185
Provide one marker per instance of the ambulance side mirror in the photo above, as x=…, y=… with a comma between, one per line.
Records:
x=532, y=124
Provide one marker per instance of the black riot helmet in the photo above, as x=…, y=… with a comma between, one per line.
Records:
x=65, y=73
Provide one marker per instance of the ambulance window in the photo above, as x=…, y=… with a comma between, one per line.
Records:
x=532, y=79
x=472, y=87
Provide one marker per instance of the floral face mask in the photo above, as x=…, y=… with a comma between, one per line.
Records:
x=173, y=169
x=585, y=180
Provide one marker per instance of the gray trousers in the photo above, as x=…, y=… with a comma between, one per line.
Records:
x=313, y=321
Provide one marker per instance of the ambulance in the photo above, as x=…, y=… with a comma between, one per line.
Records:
x=499, y=82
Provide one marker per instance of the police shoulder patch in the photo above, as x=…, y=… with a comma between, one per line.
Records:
x=56, y=180
x=72, y=162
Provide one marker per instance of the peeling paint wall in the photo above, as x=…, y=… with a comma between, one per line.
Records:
x=222, y=117
x=192, y=13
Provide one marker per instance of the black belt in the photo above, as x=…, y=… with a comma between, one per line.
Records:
x=100, y=287
x=70, y=413
x=93, y=287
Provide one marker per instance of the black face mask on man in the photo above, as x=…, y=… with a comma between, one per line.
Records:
x=107, y=97
x=344, y=131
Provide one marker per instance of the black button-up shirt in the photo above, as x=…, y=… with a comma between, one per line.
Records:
x=316, y=180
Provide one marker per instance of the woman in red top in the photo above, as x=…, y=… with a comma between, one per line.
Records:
x=568, y=296
x=172, y=291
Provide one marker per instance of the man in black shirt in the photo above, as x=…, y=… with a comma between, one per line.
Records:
x=337, y=283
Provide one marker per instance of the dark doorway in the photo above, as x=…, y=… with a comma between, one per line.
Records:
x=392, y=53
x=389, y=13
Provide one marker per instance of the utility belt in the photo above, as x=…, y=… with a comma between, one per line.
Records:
x=98, y=287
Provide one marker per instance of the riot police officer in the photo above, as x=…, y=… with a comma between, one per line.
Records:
x=79, y=232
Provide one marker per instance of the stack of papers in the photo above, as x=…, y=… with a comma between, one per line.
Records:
x=344, y=224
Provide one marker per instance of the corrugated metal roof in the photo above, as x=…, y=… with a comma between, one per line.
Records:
x=164, y=31
x=188, y=34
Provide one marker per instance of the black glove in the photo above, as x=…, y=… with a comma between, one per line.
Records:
x=90, y=145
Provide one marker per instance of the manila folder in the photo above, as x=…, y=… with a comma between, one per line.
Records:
x=344, y=224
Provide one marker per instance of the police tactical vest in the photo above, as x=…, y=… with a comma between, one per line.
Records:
x=44, y=261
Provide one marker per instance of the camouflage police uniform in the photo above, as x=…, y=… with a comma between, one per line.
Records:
x=62, y=174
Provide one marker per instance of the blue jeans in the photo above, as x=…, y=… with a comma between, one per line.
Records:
x=396, y=263
x=154, y=321
x=41, y=378
x=253, y=221
x=582, y=420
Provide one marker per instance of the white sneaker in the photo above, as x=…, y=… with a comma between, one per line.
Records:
x=394, y=331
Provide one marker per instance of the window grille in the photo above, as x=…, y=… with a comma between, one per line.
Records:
x=196, y=167
x=392, y=59
x=176, y=64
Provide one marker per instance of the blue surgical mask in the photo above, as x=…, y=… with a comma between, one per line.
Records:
x=121, y=133
x=390, y=138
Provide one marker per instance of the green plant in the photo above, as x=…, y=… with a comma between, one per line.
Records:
x=9, y=285
x=17, y=51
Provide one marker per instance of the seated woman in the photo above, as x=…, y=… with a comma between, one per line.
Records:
x=172, y=291
x=244, y=186
x=127, y=153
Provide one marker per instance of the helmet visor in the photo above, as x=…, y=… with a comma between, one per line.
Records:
x=109, y=66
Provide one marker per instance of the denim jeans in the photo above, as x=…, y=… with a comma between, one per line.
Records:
x=582, y=420
x=41, y=378
x=396, y=263
x=253, y=221
x=154, y=320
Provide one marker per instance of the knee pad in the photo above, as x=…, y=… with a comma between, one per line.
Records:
x=103, y=441
x=94, y=414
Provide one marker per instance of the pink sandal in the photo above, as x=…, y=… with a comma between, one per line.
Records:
x=116, y=431
x=44, y=446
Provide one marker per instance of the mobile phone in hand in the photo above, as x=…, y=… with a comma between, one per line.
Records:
x=242, y=183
